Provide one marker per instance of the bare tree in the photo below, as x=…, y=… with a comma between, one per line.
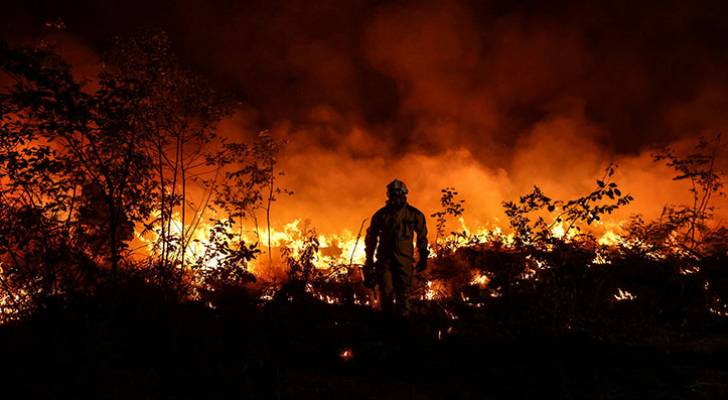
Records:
x=266, y=150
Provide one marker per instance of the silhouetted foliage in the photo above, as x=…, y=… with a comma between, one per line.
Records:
x=178, y=117
x=67, y=153
x=603, y=200
x=706, y=181
x=300, y=261
x=246, y=186
x=450, y=206
x=83, y=167
x=224, y=261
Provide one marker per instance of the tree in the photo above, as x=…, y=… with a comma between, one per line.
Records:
x=179, y=118
x=249, y=182
x=238, y=196
x=699, y=169
x=85, y=140
x=91, y=164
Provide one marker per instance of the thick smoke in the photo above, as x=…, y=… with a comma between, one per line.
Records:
x=488, y=97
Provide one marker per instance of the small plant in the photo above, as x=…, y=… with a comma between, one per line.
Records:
x=225, y=259
x=450, y=206
x=300, y=262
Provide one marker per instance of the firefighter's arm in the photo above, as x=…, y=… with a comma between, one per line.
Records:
x=370, y=240
x=421, y=230
x=370, y=244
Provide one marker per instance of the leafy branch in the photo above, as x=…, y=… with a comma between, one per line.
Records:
x=604, y=199
x=451, y=206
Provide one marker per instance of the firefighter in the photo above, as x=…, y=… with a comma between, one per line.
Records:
x=391, y=234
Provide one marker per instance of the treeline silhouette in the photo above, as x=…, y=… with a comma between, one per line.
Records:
x=87, y=166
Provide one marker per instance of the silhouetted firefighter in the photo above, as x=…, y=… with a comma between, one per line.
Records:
x=391, y=233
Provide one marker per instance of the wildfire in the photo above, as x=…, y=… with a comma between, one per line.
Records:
x=347, y=248
x=481, y=235
x=337, y=249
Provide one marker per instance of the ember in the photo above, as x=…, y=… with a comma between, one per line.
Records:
x=346, y=354
x=623, y=295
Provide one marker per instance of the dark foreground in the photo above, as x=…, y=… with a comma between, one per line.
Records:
x=298, y=350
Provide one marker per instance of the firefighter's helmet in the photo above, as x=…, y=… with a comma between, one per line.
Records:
x=396, y=188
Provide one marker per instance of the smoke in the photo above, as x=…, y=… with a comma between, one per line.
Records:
x=491, y=98
x=334, y=191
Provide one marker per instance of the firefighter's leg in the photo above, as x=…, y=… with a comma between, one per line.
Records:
x=402, y=281
x=386, y=287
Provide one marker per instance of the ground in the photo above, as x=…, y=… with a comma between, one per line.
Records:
x=307, y=349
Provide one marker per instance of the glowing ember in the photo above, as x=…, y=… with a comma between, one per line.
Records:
x=718, y=307
x=719, y=312
x=600, y=258
x=346, y=354
x=623, y=295
x=479, y=279
x=435, y=290
x=689, y=270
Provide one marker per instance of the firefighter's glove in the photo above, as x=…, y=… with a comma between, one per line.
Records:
x=370, y=278
x=421, y=264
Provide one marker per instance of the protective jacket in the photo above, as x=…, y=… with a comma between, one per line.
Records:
x=391, y=233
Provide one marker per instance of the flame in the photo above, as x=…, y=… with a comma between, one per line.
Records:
x=435, y=290
x=347, y=248
x=479, y=279
x=558, y=230
x=343, y=248
x=600, y=258
x=623, y=295
x=689, y=269
x=610, y=238
x=346, y=354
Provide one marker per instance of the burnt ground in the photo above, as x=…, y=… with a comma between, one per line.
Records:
x=293, y=350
